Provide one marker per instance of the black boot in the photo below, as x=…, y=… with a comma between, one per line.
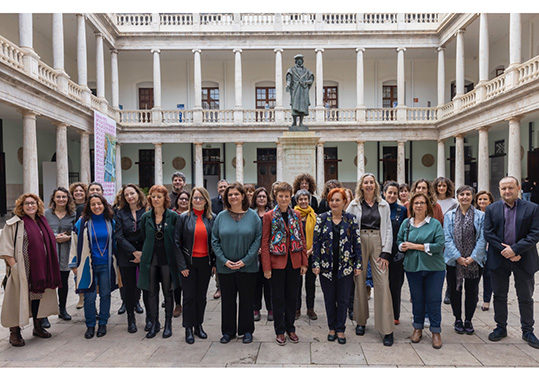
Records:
x=63, y=314
x=156, y=327
x=199, y=331
x=167, y=330
x=39, y=331
x=148, y=324
x=189, y=337
x=131, y=323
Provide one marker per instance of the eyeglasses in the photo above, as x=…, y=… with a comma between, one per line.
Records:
x=30, y=204
x=198, y=198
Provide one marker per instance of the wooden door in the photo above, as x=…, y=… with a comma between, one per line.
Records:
x=146, y=167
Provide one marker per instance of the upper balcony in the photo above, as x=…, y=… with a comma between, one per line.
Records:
x=274, y=22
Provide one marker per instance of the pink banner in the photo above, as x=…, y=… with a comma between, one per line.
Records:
x=105, y=154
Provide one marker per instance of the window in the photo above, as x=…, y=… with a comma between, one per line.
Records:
x=331, y=97
x=210, y=98
x=145, y=98
x=265, y=97
x=389, y=95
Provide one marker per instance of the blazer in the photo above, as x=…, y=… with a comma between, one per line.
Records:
x=349, y=244
x=527, y=227
x=184, y=238
x=128, y=235
x=451, y=253
x=278, y=262
x=217, y=205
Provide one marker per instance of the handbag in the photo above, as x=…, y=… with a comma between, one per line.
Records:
x=4, y=281
x=399, y=255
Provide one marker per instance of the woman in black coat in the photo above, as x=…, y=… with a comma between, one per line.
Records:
x=128, y=234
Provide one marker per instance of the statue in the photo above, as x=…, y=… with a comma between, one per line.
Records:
x=298, y=82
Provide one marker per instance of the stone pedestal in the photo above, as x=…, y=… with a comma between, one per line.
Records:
x=298, y=154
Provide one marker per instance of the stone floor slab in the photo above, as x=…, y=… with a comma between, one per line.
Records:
x=293, y=354
x=398, y=354
x=449, y=354
x=501, y=355
x=334, y=353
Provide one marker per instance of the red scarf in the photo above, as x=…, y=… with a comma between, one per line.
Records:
x=44, y=269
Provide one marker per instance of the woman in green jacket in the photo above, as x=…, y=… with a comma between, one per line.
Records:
x=159, y=259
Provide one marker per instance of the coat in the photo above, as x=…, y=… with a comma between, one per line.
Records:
x=16, y=305
x=451, y=253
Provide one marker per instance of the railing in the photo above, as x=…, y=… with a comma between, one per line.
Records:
x=528, y=71
x=380, y=18
x=259, y=116
x=381, y=115
x=136, y=117
x=177, y=116
x=298, y=18
x=74, y=91
x=495, y=87
x=95, y=103
x=174, y=19
x=11, y=54
x=423, y=18
x=447, y=110
x=340, y=115
x=469, y=99
x=133, y=19
x=339, y=18
x=216, y=19
x=218, y=116
x=422, y=114
x=47, y=75
x=254, y=19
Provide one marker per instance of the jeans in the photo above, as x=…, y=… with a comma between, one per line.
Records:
x=527, y=196
x=426, y=291
x=101, y=279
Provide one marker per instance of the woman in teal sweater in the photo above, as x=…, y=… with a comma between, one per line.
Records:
x=421, y=238
x=236, y=236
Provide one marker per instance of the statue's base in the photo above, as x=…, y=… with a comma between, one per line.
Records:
x=299, y=153
x=298, y=128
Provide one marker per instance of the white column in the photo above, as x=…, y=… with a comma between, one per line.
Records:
x=441, y=76
x=400, y=76
x=26, y=30
x=514, y=165
x=239, y=162
x=440, y=171
x=459, y=69
x=58, y=41
x=360, y=158
x=320, y=179
x=114, y=78
x=360, y=78
x=199, y=171
x=238, y=86
x=100, y=65
x=279, y=175
x=459, y=160
x=401, y=162
x=30, y=159
x=515, y=39
x=278, y=78
x=319, y=78
x=81, y=51
x=198, y=79
x=118, y=166
x=483, y=175
x=62, y=165
x=85, y=168
x=483, y=48
x=156, y=79
x=158, y=160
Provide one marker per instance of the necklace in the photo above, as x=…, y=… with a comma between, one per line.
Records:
x=101, y=252
x=159, y=235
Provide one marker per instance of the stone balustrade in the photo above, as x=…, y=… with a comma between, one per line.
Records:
x=47, y=75
x=495, y=87
x=74, y=91
x=423, y=114
x=218, y=116
x=11, y=54
x=528, y=71
x=381, y=115
x=469, y=99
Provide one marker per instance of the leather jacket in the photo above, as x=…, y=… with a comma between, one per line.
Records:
x=184, y=237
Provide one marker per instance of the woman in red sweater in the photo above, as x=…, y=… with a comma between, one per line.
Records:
x=284, y=257
x=196, y=260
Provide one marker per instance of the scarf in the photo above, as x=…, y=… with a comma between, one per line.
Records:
x=278, y=232
x=464, y=236
x=43, y=266
x=310, y=222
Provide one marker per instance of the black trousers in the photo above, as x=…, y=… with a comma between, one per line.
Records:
x=284, y=294
x=160, y=275
x=524, y=286
x=310, y=280
x=131, y=293
x=232, y=285
x=63, y=290
x=471, y=287
x=336, y=299
x=195, y=289
x=396, y=280
x=262, y=286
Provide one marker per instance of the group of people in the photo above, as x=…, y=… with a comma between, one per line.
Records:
x=260, y=244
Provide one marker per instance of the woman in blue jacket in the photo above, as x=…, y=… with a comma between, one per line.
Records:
x=465, y=256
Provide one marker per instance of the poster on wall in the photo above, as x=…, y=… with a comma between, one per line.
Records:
x=105, y=154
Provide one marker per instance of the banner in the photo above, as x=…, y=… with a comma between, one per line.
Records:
x=105, y=154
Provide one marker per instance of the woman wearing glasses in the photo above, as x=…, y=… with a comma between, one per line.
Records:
x=196, y=260
x=182, y=202
x=132, y=206
x=159, y=259
x=422, y=240
x=28, y=246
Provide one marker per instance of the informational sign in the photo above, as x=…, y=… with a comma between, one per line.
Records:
x=105, y=154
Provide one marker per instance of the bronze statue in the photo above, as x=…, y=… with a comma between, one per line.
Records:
x=298, y=82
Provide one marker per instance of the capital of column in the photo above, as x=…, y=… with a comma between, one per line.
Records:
x=318, y=49
x=360, y=142
x=61, y=124
x=460, y=32
x=320, y=143
x=28, y=113
x=196, y=50
x=485, y=128
x=401, y=142
x=457, y=136
x=399, y=49
x=440, y=49
x=278, y=50
x=155, y=50
x=514, y=118
x=158, y=144
x=98, y=34
x=360, y=49
x=237, y=50
x=113, y=51
x=239, y=142
x=198, y=144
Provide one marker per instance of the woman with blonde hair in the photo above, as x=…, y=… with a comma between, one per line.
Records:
x=28, y=246
x=374, y=222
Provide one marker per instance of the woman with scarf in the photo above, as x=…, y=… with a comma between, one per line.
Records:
x=93, y=259
x=465, y=255
x=308, y=219
x=284, y=258
x=28, y=246
x=337, y=257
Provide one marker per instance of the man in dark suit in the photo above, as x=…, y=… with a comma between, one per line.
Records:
x=217, y=202
x=512, y=233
